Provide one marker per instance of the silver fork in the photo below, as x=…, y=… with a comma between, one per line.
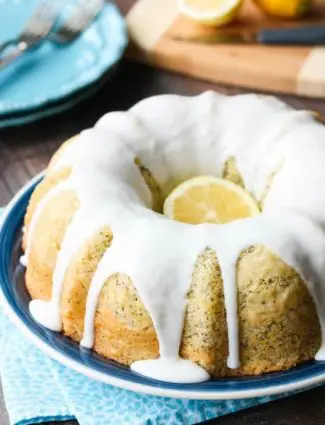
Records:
x=38, y=27
x=80, y=17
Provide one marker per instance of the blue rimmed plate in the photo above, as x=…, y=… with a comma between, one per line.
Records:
x=52, y=72
x=53, y=108
x=15, y=299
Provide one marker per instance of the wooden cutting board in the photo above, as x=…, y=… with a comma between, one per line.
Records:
x=296, y=70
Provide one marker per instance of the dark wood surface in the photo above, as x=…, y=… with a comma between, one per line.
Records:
x=24, y=151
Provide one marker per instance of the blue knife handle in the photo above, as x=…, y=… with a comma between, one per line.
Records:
x=306, y=36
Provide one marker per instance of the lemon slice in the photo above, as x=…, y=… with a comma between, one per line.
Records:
x=210, y=12
x=207, y=199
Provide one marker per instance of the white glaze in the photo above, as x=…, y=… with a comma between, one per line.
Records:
x=178, y=370
x=178, y=138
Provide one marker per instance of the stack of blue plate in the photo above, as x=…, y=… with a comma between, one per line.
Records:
x=54, y=77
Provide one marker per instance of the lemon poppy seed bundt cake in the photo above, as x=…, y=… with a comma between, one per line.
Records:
x=174, y=300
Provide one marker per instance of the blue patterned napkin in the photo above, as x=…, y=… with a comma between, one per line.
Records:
x=38, y=389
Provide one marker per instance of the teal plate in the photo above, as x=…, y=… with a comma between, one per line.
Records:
x=53, y=108
x=52, y=72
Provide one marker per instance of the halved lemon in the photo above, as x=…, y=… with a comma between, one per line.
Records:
x=210, y=12
x=208, y=199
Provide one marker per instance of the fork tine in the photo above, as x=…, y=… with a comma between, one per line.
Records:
x=82, y=14
x=41, y=20
x=43, y=10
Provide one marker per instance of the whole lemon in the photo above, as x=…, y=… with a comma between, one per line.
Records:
x=285, y=8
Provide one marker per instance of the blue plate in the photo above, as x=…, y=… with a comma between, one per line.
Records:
x=52, y=71
x=15, y=300
x=53, y=108
x=35, y=115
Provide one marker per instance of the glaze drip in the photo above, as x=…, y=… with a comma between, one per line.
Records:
x=178, y=138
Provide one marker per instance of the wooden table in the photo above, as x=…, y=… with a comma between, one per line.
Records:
x=24, y=151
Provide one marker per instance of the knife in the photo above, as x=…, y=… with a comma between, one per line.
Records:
x=301, y=36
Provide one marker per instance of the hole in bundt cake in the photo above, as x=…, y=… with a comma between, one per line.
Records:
x=208, y=199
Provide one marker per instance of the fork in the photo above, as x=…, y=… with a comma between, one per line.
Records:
x=82, y=14
x=38, y=27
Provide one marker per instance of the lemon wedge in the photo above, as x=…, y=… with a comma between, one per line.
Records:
x=207, y=199
x=210, y=12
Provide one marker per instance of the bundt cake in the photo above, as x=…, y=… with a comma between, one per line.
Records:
x=183, y=302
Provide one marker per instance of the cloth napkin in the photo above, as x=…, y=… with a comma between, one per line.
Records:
x=38, y=389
